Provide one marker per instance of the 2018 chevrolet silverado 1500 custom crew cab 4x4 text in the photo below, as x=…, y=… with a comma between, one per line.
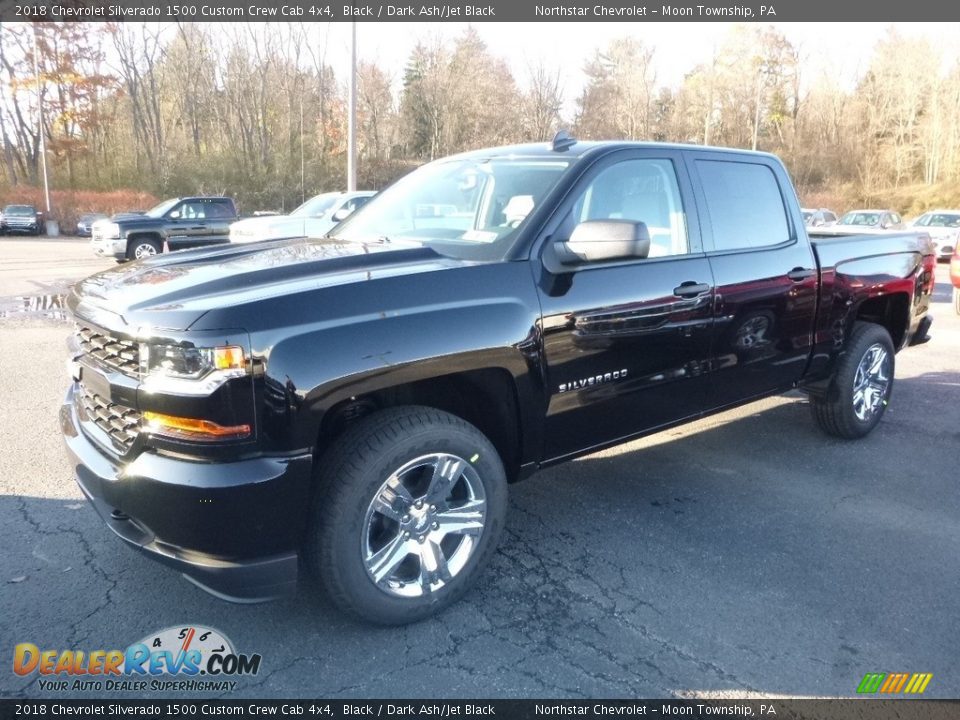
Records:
x=175, y=224
x=356, y=405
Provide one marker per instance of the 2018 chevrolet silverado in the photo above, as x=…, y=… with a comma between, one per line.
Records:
x=355, y=406
x=175, y=224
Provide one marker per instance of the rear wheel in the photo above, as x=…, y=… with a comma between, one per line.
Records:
x=860, y=390
x=409, y=509
x=142, y=247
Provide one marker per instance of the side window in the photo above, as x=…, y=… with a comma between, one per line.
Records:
x=359, y=202
x=192, y=211
x=829, y=217
x=643, y=191
x=218, y=210
x=744, y=204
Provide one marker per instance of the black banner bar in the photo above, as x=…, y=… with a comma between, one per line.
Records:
x=477, y=11
x=472, y=709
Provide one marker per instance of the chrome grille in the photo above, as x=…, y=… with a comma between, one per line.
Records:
x=116, y=353
x=120, y=422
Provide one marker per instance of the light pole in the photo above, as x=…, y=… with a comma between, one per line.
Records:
x=43, y=142
x=352, y=113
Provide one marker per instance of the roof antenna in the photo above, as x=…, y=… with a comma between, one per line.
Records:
x=563, y=141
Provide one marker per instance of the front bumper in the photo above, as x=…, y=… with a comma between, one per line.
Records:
x=110, y=247
x=207, y=520
x=26, y=228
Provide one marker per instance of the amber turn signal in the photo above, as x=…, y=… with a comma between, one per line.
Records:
x=180, y=428
x=229, y=357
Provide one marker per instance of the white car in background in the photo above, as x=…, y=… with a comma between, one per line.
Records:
x=943, y=226
x=818, y=218
x=862, y=222
x=315, y=218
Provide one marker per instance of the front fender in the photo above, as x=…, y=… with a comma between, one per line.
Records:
x=307, y=372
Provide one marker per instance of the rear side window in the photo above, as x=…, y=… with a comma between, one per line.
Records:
x=219, y=210
x=744, y=204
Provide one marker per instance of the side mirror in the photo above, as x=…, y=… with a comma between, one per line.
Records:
x=342, y=214
x=174, y=215
x=598, y=240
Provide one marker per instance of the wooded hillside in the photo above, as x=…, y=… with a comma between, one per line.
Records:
x=257, y=112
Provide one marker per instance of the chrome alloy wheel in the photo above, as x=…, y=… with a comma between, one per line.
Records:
x=144, y=250
x=871, y=382
x=423, y=525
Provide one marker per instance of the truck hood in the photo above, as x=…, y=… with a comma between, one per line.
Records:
x=173, y=291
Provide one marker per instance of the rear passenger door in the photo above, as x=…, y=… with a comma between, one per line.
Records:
x=765, y=274
x=219, y=215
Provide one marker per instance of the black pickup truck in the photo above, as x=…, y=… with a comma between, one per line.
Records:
x=176, y=224
x=357, y=405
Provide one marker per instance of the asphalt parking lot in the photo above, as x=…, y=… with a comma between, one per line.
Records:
x=746, y=554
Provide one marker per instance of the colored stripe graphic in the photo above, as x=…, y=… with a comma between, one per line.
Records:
x=893, y=683
x=918, y=683
x=871, y=682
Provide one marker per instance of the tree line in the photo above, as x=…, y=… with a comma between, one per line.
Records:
x=256, y=110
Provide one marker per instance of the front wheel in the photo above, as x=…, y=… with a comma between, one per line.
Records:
x=409, y=508
x=861, y=388
x=141, y=248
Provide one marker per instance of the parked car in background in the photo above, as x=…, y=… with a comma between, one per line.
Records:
x=943, y=227
x=865, y=222
x=23, y=219
x=315, y=218
x=86, y=221
x=174, y=224
x=818, y=218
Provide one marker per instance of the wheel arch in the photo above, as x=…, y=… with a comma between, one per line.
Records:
x=890, y=311
x=487, y=398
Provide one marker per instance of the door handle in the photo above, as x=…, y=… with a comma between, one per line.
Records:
x=799, y=273
x=691, y=289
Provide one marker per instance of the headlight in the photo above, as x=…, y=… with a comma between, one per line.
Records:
x=106, y=229
x=189, y=370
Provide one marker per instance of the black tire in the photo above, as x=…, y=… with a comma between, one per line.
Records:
x=136, y=248
x=956, y=300
x=355, y=471
x=836, y=414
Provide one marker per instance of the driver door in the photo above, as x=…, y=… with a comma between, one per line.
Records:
x=627, y=341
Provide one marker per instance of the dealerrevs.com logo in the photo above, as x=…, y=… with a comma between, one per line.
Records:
x=180, y=658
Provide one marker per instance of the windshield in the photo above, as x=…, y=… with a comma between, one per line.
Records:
x=161, y=209
x=463, y=208
x=861, y=218
x=317, y=206
x=18, y=210
x=939, y=220
x=807, y=215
